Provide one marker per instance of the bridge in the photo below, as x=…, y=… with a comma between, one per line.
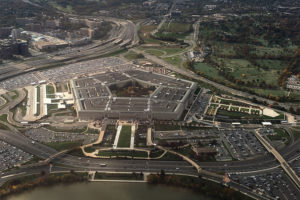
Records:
x=285, y=166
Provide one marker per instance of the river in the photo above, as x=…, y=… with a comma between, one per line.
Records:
x=109, y=191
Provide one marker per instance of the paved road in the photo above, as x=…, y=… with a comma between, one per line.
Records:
x=290, y=172
x=123, y=29
x=44, y=152
x=90, y=164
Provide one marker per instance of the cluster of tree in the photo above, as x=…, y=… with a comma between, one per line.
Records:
x=294, y=110
x=86, y=7
x=292, y=68
x=205, y=187
x=103, y=30
x=169, y=37
x=275, y=29
x=12, y=9
x=66, y=24
x=28, y=183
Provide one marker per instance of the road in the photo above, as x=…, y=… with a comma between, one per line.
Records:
x=122, y=29
x=66, y=162
x=290, y=172
x=44, y=152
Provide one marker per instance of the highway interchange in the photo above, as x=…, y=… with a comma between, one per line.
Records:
x=127, y=31
x=66, y=162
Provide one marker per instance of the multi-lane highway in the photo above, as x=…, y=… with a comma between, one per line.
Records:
x=123, y=30
x=44, y=152
x=66, y=162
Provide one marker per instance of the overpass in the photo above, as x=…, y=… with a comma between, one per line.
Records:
x=290, y=172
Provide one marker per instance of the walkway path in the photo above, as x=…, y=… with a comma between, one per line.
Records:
x=117, y=136
x=149, y=137
x=133, y=127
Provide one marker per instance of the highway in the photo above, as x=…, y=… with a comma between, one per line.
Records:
x=44, y=152
x=290, y=172
x=122, y=29
x=66, y=162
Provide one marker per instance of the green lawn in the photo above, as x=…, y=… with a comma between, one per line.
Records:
x=16, y=95
x=296, y=132
x=176, y=27
x=169, y=156
x=52, y=107
x=60, y=146
x=50, y=91
x=38, y=98
x=4, y=127
x=155, y=52
x=89, y=149
x=166, y=127
x=130, y=55
x=156, y=153
x=174, y=60
x=125, y=135
x=207, y=70
x=236, y=115
x=6, y=101
x=3, y=118
x=171, y=51
x=280, y=135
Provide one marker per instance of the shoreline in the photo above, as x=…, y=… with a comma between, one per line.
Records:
x=32, y=182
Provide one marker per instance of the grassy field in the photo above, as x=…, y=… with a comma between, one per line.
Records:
x=130, y=55
x=60, y=146
x=3, y=118
x=51, y=107
x=174, y=60
x=208, y=70
x=169, y=157
x=50, y=91
x=144, y=33
x=124, y=139
x=175, y=27
x=16, y=95
x=38, y=98
x=296, y=132
x=280, y=135
x=255, y=65
x=156, y=153
x=3, y=127
x=155, y=52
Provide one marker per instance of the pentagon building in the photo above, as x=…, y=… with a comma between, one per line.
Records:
x=132, y=95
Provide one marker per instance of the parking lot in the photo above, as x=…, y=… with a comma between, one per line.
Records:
x=46, y=136
x=238, y=144
x=242, y=143
x=275, y=184
x=10, y=156
x=66, y=72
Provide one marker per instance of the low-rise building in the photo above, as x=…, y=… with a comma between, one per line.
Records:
x=200, y=151
x=293, y=82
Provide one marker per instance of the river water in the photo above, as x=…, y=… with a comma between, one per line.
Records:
x=109, y=191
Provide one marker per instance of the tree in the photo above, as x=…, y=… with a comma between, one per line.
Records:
x=162, y=174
